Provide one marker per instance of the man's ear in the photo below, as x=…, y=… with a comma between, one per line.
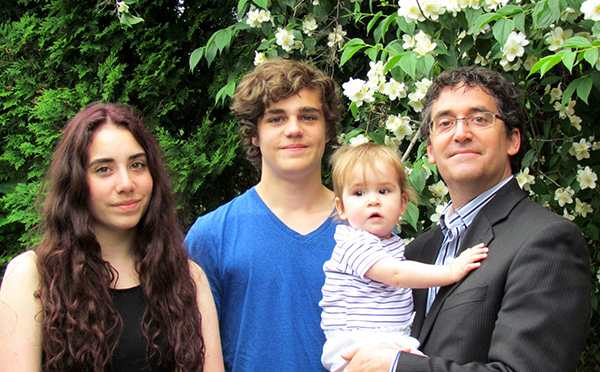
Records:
x=255, y=141
x=340, y=208
x=514, y=142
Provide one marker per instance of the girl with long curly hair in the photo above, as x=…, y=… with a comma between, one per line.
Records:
x=110, y=287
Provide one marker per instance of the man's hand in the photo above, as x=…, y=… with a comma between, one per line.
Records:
x=372, y=358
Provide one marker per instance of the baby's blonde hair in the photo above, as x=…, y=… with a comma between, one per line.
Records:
x=347, y=158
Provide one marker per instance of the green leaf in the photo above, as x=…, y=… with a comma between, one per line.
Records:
x=408, y=64
x=483, y=20
x=195, y=57
x=262, y=3
x=584, y=88
x=411, y=216
x=227, y=91
x=241, y=8
x=546, y=12
x=502, y=29
x=569, y=60
x=373, y=21
x=391, y=63
x=576, y=42
x=349, y=52
x=591, y=56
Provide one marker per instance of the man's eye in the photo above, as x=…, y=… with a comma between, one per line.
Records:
x=308, y=118
x=444, y=123
x=479, y=119
x=275, y=120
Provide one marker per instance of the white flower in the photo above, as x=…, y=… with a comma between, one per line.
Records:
x=375, y=74
x=393, y=143
x=514, y=46
x=438, y=189
x=410, y=10
x=582, y=208
x=490, y=5
x=409, y=42
x=432, y=9
x=557, y=37
x=439, y=209
x=580, y=149
x=122, y=7
x=423, y=44
x=564, y=196
x=480, y=60
x=358, y=140
x=394, y=89
x=309, y=25
x=358, y=91
x=530, y=62
x=285, y=39
x=252, y=19
x=567, y=215
x=587, y=178
x=415, y=102
x=259, y=58
x=555, y=93
x=591, y=10
x=315, y=2
x=525, y=180
x=336, y=37
x=399, y=125
x=264, y=15
x=422, y=87
x=576, y=122
x=565, y=110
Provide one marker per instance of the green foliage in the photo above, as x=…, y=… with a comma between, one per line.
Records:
x=58, y=56
x=384, y=55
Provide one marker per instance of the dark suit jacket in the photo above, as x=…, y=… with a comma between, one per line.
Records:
x=526, y=309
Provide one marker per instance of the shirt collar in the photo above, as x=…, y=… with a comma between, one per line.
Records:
x=466, y=214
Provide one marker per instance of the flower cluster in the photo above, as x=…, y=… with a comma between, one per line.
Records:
x=255, y=17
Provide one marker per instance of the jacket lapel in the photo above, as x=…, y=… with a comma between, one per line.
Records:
x=480, y=231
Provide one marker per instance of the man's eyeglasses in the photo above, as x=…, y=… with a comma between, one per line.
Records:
x=476, y=120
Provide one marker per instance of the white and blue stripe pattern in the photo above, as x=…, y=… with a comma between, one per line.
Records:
x=353, y=301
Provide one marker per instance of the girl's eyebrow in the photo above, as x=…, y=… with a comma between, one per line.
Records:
x=110, y=160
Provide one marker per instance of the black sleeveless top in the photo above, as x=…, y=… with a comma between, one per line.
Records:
x=131, y=353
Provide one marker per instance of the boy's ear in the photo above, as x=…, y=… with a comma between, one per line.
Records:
x=340, y=208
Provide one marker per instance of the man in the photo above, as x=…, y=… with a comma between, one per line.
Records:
x=263, y=252
x=527, y=307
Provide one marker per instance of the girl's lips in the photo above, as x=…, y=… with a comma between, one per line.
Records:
x=127, y=205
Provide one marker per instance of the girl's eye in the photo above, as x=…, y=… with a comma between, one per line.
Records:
x=358, y=193
x=102, y=170
x=138, y=165
x=384, y=191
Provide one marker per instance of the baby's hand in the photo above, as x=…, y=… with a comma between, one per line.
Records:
x=467, y=261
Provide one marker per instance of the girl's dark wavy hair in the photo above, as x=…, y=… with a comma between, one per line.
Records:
x=80, y=321
x=273, y=81
x=507, y=95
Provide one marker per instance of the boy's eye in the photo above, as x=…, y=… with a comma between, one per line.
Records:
x=358, y=193
x=383, y=191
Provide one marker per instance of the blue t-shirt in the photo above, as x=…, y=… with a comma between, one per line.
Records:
x=266, y=280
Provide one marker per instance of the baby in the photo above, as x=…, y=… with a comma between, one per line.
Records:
x=367, y=294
